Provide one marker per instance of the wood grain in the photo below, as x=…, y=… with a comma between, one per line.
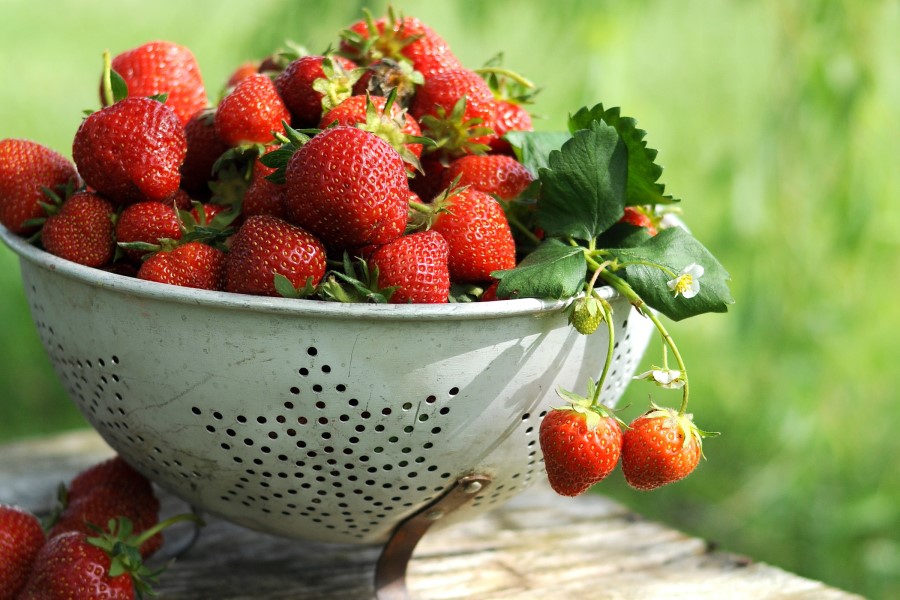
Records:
x=537, y=547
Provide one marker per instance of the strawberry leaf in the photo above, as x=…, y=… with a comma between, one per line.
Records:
x=583, y=188
x=675, y=248
x=553, y=270
x=118, y=85
x=643, y=172
x=533, y=147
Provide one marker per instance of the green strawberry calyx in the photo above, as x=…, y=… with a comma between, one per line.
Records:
x=588, y=406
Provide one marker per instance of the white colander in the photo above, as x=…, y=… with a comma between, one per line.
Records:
x=315, y=420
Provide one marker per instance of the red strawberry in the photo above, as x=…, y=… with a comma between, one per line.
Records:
x=131, y=151
x=478, y=233
x=417, y=265
x=204, y=147
x=311, y=85
x=457, y=109
x=26, y=168
x=430, y=182
x=395, y=38
x=581, y=446
x=82, y=231
x=490, y=294
x=510, y=116
x=368, y=113
x=147, y=222
x=639, y=218
x=161, y=67
x=111, y=471
x=263, y=197
x=242, y=71
x=265, y=246
x=660, y=447
x=194, y=265
x=251, y=112
x=109, y=501
x=496, y=174
x=21, y=537
x=70, y=567
x=348, y=187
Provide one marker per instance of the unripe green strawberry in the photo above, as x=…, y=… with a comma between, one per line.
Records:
x=586, y=315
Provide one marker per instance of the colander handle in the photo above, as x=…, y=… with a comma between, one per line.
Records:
x=390, y=570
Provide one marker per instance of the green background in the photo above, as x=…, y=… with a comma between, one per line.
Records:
x=777, y=124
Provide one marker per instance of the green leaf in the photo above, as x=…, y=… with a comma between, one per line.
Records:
x=553, y=270
x=643, y=172
x=583, y=189
x=533, y=147
x=675, y=249
x=118, y=85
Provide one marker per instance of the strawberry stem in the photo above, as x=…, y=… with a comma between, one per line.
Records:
x=506, y=73
x=610, y=328
x=108, y=96
x=626, y=290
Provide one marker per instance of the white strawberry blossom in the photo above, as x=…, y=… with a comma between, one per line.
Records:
x=687, y=283
x=664, y=378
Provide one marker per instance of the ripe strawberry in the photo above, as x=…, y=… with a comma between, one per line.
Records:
x=147, y=222
x=496, y=174
x=660, y=447
x=417, y=265
x=490, y=294
x=109, y=501
x=311, y=85
x=204, y=147
x=111, y=471
x=251, y=112
x=21, y=537
x=456, y=109
x=162, y=67
x=263, y=197
x=399, y=38
x=348, y=187
x=242, y=71
x=131, y=151
x=70, y=566
x=82, y=231
x=639, y=218
x=265, y=246
x=478, y=234
x=581, y=444
x=194, y=265
x=397, y=127
x=26, y=168
x=510, y=116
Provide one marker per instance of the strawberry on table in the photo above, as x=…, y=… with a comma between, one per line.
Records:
x=21, y=538
x=348, y=187
x=162, y=67
x=660, y=447
x=82, y=231
x=131, y=151
x=27, y=167
x=266, y=246
x=251, y=112
x=417, y=265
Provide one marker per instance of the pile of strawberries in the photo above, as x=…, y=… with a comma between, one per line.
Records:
x=378, y=172
x=106, y=524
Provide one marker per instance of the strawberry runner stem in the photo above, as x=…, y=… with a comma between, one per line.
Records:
x=610, y=327
x=626, y=290
x=108, y=96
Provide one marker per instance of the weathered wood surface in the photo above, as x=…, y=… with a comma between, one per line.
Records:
x=537, y=547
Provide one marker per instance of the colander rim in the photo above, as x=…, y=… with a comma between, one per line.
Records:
x=31, y=254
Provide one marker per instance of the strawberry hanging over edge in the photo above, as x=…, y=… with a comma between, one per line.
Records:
x=82, y=230
x=660, y=447
x=581, y=443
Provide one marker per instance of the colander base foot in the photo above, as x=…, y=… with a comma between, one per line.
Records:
x=390, y=570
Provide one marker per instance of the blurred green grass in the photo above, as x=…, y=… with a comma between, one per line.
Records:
x=777, y=124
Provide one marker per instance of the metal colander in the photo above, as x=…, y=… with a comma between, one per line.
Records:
x=315, y=420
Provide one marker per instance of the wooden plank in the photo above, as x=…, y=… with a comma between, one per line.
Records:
x=538, y=546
